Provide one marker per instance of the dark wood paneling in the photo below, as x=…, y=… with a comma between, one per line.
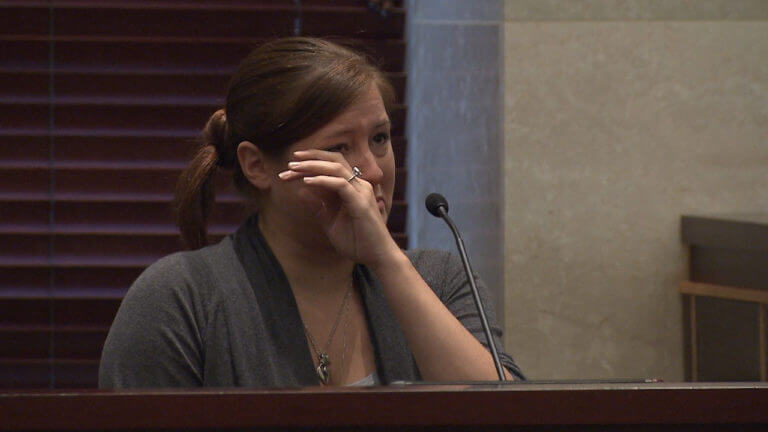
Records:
x=97, y=119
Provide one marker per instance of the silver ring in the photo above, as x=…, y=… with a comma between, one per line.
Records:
x=355, y=174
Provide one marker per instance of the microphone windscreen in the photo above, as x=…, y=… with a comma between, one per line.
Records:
x=434, y=201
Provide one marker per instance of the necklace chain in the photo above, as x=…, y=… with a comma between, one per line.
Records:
x=344, y=335
x=322, y=355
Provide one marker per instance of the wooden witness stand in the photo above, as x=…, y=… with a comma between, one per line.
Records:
x=572, y=407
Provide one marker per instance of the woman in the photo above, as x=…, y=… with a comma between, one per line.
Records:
x=311, y=289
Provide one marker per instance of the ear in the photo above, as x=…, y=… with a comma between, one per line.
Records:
x=255, y=165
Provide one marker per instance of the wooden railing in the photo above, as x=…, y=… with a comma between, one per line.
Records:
x=529, y=407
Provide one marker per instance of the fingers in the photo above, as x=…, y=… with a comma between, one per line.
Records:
x=298, y=169
x=344, y=188
x=320, y=155
x=302, y=156
x=316, y=162
x=328, y=171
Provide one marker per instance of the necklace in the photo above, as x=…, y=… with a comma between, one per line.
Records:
x=323, y=360
x=344, y=335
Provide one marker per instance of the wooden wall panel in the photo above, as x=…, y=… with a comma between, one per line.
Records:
x=100, y=104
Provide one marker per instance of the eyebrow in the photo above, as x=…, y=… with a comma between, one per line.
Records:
x=345, y=131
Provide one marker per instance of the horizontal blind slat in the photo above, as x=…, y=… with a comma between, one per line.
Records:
x=257, y=22
x=126, y=216
x=36, y=373
x=70, y=281
x=34, y=311
x=148, y=54
x=161, y=118
x=35, y=342
x=31, y=84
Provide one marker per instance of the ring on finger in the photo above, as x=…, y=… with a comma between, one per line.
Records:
x=355, y=174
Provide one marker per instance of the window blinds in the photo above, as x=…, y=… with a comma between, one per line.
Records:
x=100, y=102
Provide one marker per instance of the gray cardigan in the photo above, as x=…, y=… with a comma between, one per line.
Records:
x=203, y=318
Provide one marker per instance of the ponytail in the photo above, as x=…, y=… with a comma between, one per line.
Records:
x=195, y=191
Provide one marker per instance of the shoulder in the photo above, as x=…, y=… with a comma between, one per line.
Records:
x=190, y=265
x=431, y=259
x=437, y=268
x=184, y=275
x=157, y=335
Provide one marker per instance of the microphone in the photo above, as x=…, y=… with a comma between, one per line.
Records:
x=437, y=205
x=434, y=202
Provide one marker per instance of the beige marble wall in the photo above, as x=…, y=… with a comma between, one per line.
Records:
x=613, y=128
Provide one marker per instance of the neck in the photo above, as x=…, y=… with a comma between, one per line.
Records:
x=312, y=266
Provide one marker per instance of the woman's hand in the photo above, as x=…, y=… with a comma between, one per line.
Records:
x=346, y=208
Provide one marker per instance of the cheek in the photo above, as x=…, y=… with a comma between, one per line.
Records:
x=297, y=202
x=308, y=200
x=308, y=203
x=389, y=170
x=389, y=167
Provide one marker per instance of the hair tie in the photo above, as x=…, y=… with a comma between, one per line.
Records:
x=222, y=139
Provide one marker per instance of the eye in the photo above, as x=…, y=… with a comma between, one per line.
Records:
x=338, y=148
x=381, y=138
x=380, y=143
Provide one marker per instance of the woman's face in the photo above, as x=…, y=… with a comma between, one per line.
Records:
x=361, y=134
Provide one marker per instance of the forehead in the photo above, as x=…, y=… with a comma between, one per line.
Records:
x=365, y=112
x=361, y=116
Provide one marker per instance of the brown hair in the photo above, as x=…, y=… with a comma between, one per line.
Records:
x=282, y=92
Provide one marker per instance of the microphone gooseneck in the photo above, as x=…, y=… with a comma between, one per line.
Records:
x=437, y=205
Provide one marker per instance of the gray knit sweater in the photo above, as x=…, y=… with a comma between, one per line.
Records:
x=225, y=316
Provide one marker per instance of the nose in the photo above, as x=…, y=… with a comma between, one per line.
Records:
x=369, y=165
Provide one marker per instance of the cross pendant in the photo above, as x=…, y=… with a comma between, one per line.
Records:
x=322, y=368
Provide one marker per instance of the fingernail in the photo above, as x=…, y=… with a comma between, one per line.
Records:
x=308, y=179
x=284, y=174
x=294, y=164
